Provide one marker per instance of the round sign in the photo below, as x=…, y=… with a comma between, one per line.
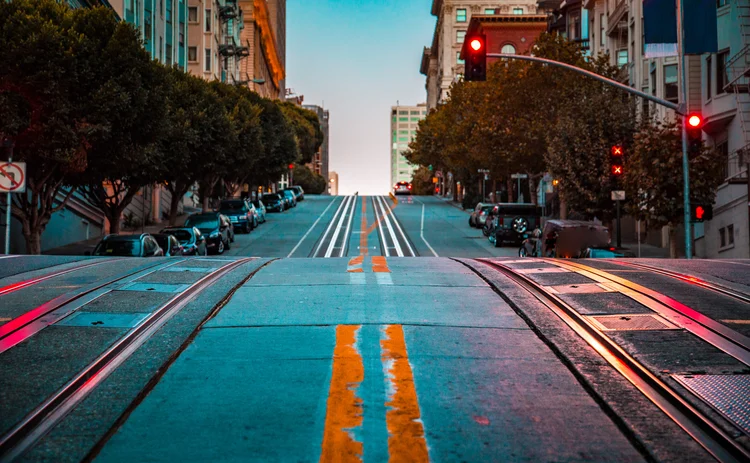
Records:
x=12, y=177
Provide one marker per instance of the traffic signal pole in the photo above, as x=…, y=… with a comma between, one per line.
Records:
x=679, y=109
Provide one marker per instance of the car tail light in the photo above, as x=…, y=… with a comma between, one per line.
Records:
x=410, y=187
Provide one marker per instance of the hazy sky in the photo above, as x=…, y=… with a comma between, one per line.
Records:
x=357, y=58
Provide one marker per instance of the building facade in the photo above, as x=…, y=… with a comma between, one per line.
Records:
x=163, y=27
x=441, y=61
x=264, y=35
x=215, y=51
x=404, y=123
x=514, y=33
x=333, y=183
x=320, y=162
x=717, y=87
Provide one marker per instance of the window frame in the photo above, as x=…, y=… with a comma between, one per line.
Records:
x=709, y=77
x=207, y=26
x=518, y=10
x=207, y=65
x=195, y=55
x=458, y=58
x=722, y=78
x=674, y=85
x=460, y=35
x=193, y=9
x=458, y=15
x=489, y=11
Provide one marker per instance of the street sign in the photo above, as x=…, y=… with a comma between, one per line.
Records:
x=13, y=177
x=434, y=179
x=483, y=171
x=519, y=176
x=618, y=195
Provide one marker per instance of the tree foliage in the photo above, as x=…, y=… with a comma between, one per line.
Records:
x=312, y=182
x=306, y=128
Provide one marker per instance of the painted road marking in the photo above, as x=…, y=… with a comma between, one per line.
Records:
x=380, y=265
x=421, y=233
x=363, y=230
x=355, y=264
x=406, y=440
x=5, y=319
x=311, y=228
x=736, y=322
x=330, y=225
x=344, y=407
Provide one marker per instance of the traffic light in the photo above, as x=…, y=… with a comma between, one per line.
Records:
x=475, y=58
x=701, y=212
x=616, y=163
x=694, y=126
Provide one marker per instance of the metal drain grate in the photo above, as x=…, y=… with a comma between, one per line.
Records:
x=631, y=322
x=728, y=394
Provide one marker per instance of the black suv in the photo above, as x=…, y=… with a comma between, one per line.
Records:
x=512, y=220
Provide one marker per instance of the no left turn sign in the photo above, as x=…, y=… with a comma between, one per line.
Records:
x=13, y=177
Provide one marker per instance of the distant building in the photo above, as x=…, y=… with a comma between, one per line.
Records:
x=508, y=33
x=319, y=163
x=333, y=183
x=163, y=27
x=441, y=61
x=404, y=123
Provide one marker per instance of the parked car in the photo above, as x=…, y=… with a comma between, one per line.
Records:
x=512, y=221
x=169, y=244
x=479, y=214
x=191, y=239
x=240, y=213
x=289, y=195
x=261, y=209
x=402, y=188
x=299, y=193
x=274, y=202
x=216, y=227
x=143, y=245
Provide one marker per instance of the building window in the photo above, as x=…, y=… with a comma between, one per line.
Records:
x=709, y=71
x=489, y=11
x=517, y=10
x=602, y=35
x=161, y=49
x=726, y=236
x=193, y=14
x=622, y=57
x=147, y=28
x=671, y=90
x=645, y=108
x=720, y=3
x=169, y=55
x=508, y=49
x=575, y=27
x=161, y=8
x=461, y=15
x=458, y=58
x=208, y=20
x=193, y=54
x=721, y=71
x=722, y=237
x=730, y=235
x=460, y=35
x=208, y=60
x=182, y=37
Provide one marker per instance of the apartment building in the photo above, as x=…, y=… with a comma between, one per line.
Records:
x=717, y=87
x=321, y=160
x=264, y=35
x=404, y=123
x=163, y=27
x=441, y=62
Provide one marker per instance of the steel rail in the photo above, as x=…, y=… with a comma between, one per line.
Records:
x=328, y=229
x=401, y=231
x=12, y=288
x=45, y=416
x=24, y=326
x=716, y=287
x=339, y=226
x=391, y=232
x=720, y=444
x=345, y=242
x=379, y=221
x=709, y=330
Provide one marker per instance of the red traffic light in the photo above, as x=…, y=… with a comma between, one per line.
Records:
x=291, y=166
x=617, y=150
x=700, y=212
x=476, y=44
x=617, y=170
x=695, y=121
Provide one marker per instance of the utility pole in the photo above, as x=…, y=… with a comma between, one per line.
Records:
x=9, y=148
x=685, y=160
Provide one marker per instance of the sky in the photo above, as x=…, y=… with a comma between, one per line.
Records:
x=357, y=58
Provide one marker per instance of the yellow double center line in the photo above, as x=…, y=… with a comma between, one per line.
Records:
x=344, y=414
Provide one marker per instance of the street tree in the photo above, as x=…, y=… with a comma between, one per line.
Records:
x=312, y=182
x=130, y=105
x=306, y=126
x=653, y=177
x=43, y=91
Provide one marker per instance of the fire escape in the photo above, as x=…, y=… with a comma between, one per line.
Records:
x=230, y=50
x=738, y=78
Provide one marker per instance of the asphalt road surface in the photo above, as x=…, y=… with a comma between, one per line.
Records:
x=373, y=329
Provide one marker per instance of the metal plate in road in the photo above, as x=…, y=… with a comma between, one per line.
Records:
x=103, y=320
x=726, y=393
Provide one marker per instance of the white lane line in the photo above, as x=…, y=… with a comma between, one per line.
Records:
x=313, y=226
x=337, y=230
x=399, y=251
x=403, y=235
x=348, y=227
x=379, y=221
x=421, y=233
x=323, y=239
x=7, y=257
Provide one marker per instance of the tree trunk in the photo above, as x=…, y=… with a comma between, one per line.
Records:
x=672, y=231
x=454, y=188
x=174, y=203
x=532, y=190
x=33, y=241
x=511, y=195
x=563, y=209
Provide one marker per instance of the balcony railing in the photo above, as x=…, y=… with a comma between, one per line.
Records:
x=584, y=43
x=737, y=165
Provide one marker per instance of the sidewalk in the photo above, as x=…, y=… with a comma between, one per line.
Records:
x=81, y=247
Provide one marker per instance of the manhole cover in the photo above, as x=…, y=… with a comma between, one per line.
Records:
x=103, y=319
x=541, y=270
x=728, y=394
x=584, y=288
x=631, y=322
